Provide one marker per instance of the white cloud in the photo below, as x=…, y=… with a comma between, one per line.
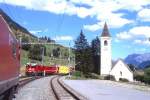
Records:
x=143, y=42
x=63, y=38
x=35, y=31
x=124, y=35
x=144, y=15
x=102, y=10
x=139, y=35
x=132, y=5
x=93, y=27
x=135, y=32
x=140, y=31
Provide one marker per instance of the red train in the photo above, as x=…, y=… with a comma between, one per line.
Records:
x=35, y=69
x=9, y=61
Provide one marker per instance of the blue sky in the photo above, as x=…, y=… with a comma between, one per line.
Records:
x=128, y=21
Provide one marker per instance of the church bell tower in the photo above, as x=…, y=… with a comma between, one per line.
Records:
x=106, y=63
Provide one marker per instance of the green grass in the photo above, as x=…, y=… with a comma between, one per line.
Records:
x=77, y=75
x=46, y=61
x=63, y=60
x=24, y=57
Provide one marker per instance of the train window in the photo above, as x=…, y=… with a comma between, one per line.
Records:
x=14, y=50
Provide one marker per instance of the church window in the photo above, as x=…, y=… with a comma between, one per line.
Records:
x=105, y=43
x=120, y=73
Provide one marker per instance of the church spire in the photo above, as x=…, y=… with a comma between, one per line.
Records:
x=105, y=32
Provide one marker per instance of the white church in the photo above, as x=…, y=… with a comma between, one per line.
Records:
x=119, y=69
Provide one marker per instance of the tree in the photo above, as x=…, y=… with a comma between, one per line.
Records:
x=56, y=52
x=25, y=39
x=147, y=75
x=83, y=54
x=35, y=52
x=95, y=46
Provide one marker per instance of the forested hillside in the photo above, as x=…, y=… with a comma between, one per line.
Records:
x=43, y=48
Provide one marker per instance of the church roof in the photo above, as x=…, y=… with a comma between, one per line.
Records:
x=105, y=32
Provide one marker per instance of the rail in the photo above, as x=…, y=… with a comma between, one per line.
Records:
x=62, y=91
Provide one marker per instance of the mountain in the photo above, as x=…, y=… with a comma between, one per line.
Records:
x=138, y=60
x=15, y=27
x=144, y=64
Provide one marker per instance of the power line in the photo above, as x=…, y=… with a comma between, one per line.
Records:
x=59, y=26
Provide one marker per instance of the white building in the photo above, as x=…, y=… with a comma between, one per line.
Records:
x=106, y=63
x=120, y=69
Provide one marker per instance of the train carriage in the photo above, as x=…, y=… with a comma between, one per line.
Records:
x=51, y=69
x=64, y=70
x=9, y=60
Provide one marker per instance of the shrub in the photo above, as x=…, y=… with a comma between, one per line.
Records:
x=77, y=73
x=123, y=80
x=94, y=76
x=109, y=77
x=147, y=76
x=139, y=78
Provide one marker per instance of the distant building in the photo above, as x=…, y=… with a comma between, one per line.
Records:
x=120, y=69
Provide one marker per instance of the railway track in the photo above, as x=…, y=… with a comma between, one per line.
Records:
x=62, y=92
x=11, y=92
x=24, y=81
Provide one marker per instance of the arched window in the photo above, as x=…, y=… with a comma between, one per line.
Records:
x=105, y=43
x=120, y=73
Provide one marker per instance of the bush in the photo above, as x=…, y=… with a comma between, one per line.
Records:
x=123, y=80
x=94, y=76
x=147, y=79
x=110, y=77
x=139, y=78
x=77, y=74
x=147, y=76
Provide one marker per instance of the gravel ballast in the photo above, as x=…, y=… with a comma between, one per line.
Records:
x=36, y=90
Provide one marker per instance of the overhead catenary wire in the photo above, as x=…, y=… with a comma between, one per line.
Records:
x=62, y=16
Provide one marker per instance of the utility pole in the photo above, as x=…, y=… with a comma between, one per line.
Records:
x=69, y=59
x=43, y=60
x=42, y=55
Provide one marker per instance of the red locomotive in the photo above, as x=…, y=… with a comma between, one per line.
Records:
x=9, y=61
x=33, y=69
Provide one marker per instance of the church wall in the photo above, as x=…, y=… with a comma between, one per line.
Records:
x=105, y=55
x=120, y=70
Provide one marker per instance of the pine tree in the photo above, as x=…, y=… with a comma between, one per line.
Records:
x=95, y=46
x=83, y=54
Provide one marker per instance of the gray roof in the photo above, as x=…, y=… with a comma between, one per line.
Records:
x=105, y=32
